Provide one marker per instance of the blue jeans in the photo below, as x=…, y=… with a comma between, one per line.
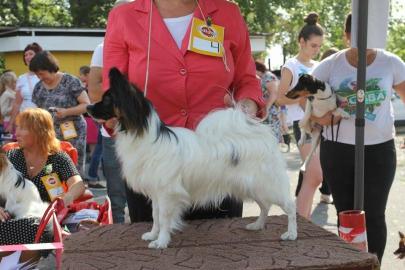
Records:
x=115, y=181
x=95, y=159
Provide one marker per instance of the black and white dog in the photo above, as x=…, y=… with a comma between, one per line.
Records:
x=228, y=154
x=322, y=99
x=21, y=195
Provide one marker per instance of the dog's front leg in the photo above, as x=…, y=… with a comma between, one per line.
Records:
x=341, y=112
x=153, y=234
x=168, y=213
x=305, y=123
x=290, y=209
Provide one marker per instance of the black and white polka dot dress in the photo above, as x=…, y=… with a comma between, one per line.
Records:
x=23, y=231
x=62, y=165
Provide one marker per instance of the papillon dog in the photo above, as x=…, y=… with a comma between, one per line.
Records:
x=21, y=195
x=321, y=99
x=229, y=154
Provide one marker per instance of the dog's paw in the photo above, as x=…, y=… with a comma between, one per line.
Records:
x=345, y=115
x=149, y=236
x=289, y=236
x=254, y=226
x=156, y=244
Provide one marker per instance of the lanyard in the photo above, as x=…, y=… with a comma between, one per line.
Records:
x=208, y=22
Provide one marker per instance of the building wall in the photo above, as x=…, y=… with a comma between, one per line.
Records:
x=69, y=62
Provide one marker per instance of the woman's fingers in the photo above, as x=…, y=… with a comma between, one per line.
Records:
x=4, y=215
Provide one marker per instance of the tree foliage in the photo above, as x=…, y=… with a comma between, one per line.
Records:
x=64, y=13
x=396, y=33
x=280, y=20
x=330, y=20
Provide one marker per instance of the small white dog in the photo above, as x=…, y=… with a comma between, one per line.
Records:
x=321, y=99
x=21, y=195
x=228, y=154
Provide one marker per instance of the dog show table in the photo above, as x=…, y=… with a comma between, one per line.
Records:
x=213, y=245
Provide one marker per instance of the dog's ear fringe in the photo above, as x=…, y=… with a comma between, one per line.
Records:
x=135, y=108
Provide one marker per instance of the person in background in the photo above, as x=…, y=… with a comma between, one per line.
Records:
x=8, y=81
x=93, y=140
x=25, y=85
x=84, y=75
x=110, y=163
x=324, y=189
x=191, y=82
x=310, y=40
x=269, y=84
x=63, y=95
x=39, y=157
x=385, y=73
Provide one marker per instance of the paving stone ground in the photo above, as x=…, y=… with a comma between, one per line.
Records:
x=324, y=215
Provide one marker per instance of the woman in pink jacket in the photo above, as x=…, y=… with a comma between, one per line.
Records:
x=189, y=55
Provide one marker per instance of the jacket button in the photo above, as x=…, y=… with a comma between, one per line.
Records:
x=183, y=112
x=183, y=71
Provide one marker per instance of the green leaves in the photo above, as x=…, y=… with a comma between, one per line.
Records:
x=62, y=13
x=280, y=20
x=284, y=19
x=396, y=33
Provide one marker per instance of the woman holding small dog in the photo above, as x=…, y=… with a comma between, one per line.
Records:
x=40, y=159
x=185, y=80
x=310, y=41
x=385, y=72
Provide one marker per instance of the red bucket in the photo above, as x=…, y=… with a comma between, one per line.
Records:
x=352, y=228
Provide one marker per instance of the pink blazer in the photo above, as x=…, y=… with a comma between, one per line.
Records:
x=183, y=86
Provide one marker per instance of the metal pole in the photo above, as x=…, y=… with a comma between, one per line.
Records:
x=361, y=98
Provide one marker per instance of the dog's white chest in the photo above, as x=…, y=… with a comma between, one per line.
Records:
x=321, y=106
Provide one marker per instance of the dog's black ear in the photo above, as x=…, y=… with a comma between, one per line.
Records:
x=306, y=79
x=311, y=83
x=117, y=79
x=320, y=85
x=401, y=235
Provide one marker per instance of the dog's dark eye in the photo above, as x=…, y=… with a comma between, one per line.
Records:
x=107, y=100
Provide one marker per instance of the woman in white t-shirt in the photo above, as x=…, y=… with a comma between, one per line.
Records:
x=385, y=72
x=310, y=41
x=25, y=85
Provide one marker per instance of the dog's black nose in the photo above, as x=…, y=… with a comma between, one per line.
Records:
x=90, y=108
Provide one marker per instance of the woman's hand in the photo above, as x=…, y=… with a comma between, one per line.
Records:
x=4, y=215
x=248, y=106
x=61, y=112
x=326, y=120
x=76, y=189
x=67, y=199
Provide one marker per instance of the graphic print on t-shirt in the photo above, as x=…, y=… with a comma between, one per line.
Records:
x=374, y=96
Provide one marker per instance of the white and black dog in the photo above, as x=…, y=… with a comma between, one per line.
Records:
x=177, y=168
x=321, y=99
x=21, y=195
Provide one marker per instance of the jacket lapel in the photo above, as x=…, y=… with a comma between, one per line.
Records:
x=160, y=33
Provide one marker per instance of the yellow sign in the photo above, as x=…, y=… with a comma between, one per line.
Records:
x=53, y=185
x=68, y=130
x=207, y=40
